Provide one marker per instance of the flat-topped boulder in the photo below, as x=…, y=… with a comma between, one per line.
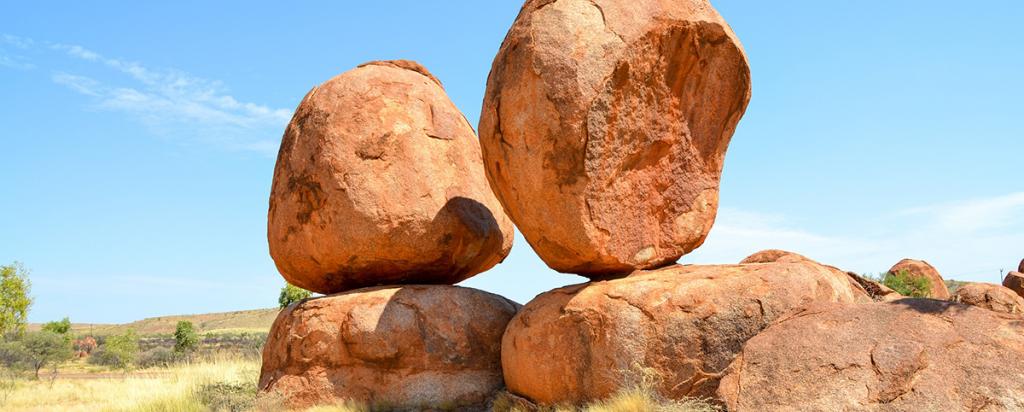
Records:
x=988, y=296
x=685, y=323
x=379, y=181
x=404, y=346
x=907, y=355
x=605, y=126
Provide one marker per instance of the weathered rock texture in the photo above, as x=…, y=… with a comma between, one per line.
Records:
x=1015, y=282
x=583, y=342
x=1020, y=268
x=605, y=125
x=379, y=181
x=773, y=255
x=920, y=268
x=908, y=355
x=405, y=347
x=989, y=296
x=877, y=291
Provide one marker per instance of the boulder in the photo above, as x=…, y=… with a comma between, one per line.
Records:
x=919, y=269
x=907, y=355
x=615, y=116
x=405, y=347
x=876, y=291
x=989, y=296
x=379, y=181
x=772, y=256
x=1015, y=282
x=682, y=323
x=1020, y=268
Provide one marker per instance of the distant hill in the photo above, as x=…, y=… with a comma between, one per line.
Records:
x=258, y=320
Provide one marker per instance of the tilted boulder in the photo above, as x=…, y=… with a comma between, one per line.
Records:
x=921, y=269
x=1020, y=268
x=685, y=323
x=988, y=296
x=1015, y=282
x=605, y=126
x=405, y=347
x=379, y=181
x=877, y=291
x=907, y=355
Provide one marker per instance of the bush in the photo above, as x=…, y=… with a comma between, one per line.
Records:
x=908, y=285
x=185, y=338
x=291, y=294
x=119, y=351
x=158, y=357
x=224, y=396
x=61, y=327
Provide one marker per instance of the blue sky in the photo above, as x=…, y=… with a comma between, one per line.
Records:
x=139, y=138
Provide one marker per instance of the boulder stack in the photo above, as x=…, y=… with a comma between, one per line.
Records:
x=380, y=181
x=605, y=125
x=685, y=323
x=907, y=355
x=921, y=269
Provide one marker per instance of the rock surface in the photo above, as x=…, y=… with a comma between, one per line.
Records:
x=406, y=347
x=920, y=268
x=877, y=291
x=379, y=181
x=773, y=255
x=615, y=116
x=1020, y=268
x=988, y=296
x=908, y=355
x=584, y=342
x=1015, y=282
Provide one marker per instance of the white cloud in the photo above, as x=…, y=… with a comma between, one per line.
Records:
x=976, y=214
x=968, y=240
x=170, y=103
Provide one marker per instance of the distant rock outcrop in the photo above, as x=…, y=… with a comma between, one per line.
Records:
x=379, y=181
x=921, y=269
x=403, y=346
x=686, y=323
x=907, y=355
x=1015, y=282
x=992, y=297
x=605, y=126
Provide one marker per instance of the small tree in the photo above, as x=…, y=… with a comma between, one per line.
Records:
x=185, y=338
x=121, y=349
x=291, y=294
x=908, y=285
x=46, y=348
x=60, y=327
x=14, y=299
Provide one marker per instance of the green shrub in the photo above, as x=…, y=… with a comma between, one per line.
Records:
x=15, y=299
x=228, y=396
x=291, y=294
x=908, y=285
x=119, y=351
x=61, y=327
x=185, y=338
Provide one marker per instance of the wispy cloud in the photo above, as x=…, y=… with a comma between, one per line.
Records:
x=169, y=102
x=971, y=239
x=976, y=214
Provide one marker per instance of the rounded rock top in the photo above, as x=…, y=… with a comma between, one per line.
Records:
x=379, y=180
x=605, y=125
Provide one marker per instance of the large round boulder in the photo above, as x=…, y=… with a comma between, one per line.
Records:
x=682, y=323
x=907, y=355
x=1015, y=282
x=615, y=116
x=922, y=269
x=379, y=181
x=988, y=296
x=405, y=347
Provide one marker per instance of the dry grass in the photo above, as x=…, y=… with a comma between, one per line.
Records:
x=168, y=389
